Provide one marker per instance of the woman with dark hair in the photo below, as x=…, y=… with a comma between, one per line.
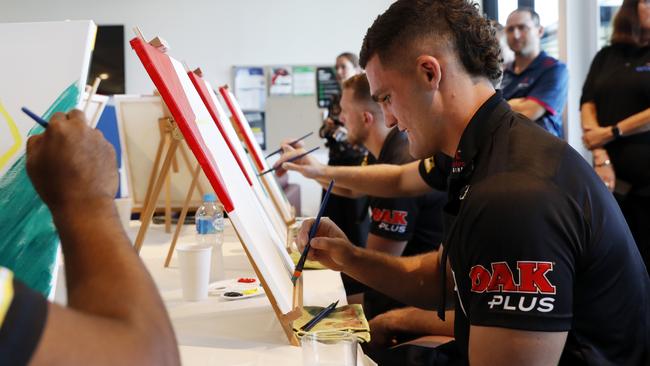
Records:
x=350, y=214
x=615, y=113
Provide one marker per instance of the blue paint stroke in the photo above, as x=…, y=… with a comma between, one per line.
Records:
x=28, y=238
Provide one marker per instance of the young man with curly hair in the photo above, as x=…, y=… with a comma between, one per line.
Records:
x=537, y=256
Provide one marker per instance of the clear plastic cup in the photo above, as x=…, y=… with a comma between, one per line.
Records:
x=329, y=348
x=194, y=262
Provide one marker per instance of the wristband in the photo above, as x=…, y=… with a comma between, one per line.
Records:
x=616, y=132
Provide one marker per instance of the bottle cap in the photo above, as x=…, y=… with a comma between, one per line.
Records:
x=209, y=197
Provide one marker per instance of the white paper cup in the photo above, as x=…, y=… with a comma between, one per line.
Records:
x=325, y=347
x=124, y=206
x=194, y=262
x=217, y=272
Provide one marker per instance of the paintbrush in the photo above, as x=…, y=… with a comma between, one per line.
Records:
x=290, y=144
x=320, y=316
x=312, y=233
x=289, y=160
x=35, y=117
x=91, y=94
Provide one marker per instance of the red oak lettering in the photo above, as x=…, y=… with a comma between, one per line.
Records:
x=531, y=278
x=391, y=217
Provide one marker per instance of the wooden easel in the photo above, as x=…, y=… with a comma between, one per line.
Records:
x=286, y=320
x=181, y=219
x=169, y=135
x=289, y=308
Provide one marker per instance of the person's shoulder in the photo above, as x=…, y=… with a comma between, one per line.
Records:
x=516, y=196
x=550, y=62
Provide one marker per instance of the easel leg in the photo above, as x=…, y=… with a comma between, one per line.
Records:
x=146, y=215
x=168, y=203
x=189, y=168
x=181, y=219
x=154, y=169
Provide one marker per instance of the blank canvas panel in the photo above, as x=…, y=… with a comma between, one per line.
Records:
x=223, y=172
x=137, y=121
x=256, y=152
x=221, y=119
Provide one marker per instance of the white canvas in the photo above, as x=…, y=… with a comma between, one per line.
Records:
x=137, y=122
x=248, y=218
x=262, y=195
x=39, y=61
x=275, y=190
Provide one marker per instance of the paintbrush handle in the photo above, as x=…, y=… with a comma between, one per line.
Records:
x=312, y=232
x=318, y=317
x=291, y=143
x=290, y=160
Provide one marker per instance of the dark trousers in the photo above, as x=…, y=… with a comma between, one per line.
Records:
x=410, y=355
x=636, y=210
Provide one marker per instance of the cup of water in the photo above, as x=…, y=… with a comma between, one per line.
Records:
x=329, y=348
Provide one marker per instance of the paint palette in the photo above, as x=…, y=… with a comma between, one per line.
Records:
x=237, y=289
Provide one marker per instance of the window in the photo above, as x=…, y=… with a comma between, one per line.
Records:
x=607, y=9
x=549, y=14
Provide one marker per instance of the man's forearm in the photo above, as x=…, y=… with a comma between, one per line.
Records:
x=413, y=280
x=528, y=108
x=380, y=180
x=104, y=275
x=423, y=322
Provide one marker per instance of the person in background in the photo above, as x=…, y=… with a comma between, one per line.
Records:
x=615, y=111
x=351, y=214
x=534, y=84
x=114, y=315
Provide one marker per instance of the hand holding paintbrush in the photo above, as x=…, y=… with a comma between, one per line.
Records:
x=312, y=233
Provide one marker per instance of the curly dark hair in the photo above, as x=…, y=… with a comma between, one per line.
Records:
x=455, y=24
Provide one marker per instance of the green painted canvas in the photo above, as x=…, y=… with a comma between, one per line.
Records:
x=28, y=238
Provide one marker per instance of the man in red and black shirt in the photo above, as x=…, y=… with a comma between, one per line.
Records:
x=537, y=256
x=399, y=225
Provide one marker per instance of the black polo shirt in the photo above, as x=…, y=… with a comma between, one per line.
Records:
x=23, y=313
x=536, y=242
x=618, y=84
x=417, y=220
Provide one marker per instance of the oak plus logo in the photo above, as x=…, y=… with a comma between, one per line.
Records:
x=393, y=221
x=525, y=289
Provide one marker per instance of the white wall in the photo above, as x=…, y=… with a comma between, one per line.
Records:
x=217, y=34
x=578, y=36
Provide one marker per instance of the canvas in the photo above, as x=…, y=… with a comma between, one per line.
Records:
x=204, y=88
x=29, y=241
x=279, y=199
x=233, y=188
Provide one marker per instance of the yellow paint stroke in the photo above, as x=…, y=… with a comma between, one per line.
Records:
x=15, y=133
x=6, y=292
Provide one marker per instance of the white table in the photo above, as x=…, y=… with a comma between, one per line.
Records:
x=216, y=331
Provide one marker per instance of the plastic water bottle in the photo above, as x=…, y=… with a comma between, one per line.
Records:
x=209, y=231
